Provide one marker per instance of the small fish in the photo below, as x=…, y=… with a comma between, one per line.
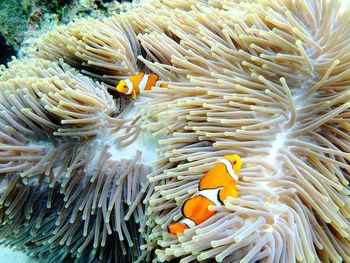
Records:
x=141, y=81
x=214, y=187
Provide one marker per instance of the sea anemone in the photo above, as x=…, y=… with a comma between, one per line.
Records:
x=266, y=80
x=65, y=193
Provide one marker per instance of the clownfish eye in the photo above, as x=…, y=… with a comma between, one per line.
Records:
x=124, y=86
x=234, y=162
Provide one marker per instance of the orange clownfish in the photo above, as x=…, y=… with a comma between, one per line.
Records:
x=141, y=81
x=214, y=187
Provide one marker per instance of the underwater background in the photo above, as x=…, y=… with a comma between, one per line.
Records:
x=25, y=24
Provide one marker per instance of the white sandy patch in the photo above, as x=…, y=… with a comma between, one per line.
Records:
x=145, y=142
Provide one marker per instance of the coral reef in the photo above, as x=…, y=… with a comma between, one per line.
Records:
x=267, y=80
x=22, y=22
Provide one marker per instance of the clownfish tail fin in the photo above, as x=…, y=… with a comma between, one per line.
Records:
x=180, y=227
x=177, y=228
x=164, y=85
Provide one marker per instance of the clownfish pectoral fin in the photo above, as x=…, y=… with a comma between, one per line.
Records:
x=177, y=228
x=133, y=94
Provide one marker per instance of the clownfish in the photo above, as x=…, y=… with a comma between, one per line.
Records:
x=141, y=81
x=214, y=187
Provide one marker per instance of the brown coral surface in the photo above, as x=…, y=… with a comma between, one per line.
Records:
x=267, y=80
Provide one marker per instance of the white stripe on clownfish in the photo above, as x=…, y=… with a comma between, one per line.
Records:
x=143, y=82
x=212, y=195
x=229, y=168
x=188, y=222
x=129, y=85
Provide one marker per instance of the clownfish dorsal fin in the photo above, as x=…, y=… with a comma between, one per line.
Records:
x=151, y=81
x=136, y=80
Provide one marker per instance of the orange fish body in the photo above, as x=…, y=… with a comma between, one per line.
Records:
x=215, y=186
x=141, y=81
